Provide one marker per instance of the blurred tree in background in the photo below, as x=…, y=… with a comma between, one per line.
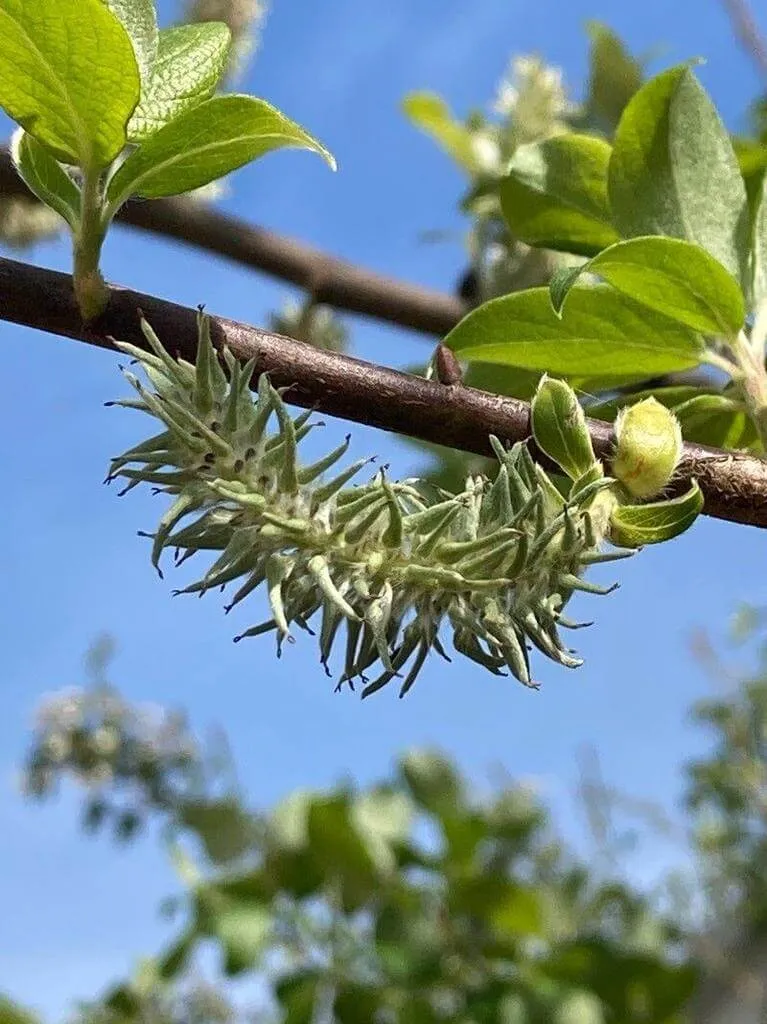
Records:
x=415, y=899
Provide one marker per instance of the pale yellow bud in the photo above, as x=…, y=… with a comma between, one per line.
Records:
x=649, y=443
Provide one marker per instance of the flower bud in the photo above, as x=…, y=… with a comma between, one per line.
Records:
x=649, y=443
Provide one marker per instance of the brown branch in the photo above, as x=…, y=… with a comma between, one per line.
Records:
x=735, y=486
x=747, y=31
x=330, y=280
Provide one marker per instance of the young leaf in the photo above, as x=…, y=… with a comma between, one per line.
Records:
x=204, y=144
x=604, y=334
x=139, y=19
x=518, y=383
x=559, y=427
x=759, y=246
x=752, y=161
x=45, y=177
x=614, y=78
x=241, y=926
x=673, y=277
x=717, y=421
x=190, y=62
x=432, y=115
x=633, y=526
x=671, y=397
x=673, y=171
x=556, y=194
x=68, y=75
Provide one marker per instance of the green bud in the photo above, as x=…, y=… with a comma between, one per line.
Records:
x=649, y=443
x=559, y=427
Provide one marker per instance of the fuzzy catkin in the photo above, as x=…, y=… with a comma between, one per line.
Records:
x=381, y=562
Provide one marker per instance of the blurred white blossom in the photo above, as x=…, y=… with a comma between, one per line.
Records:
x=25, y=221
x=129, y=759
x=532, y=95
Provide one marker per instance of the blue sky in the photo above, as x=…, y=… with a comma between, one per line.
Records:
x=76, y=913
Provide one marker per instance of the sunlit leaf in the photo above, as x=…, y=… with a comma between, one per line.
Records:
x=190, y=61
x=636, y=525
x=671, y=156
x=432, y=115
x=602, y=333
x=555, y=195
x=45, y=177
x=68, y=74
x=671, y=276
x=204, y=144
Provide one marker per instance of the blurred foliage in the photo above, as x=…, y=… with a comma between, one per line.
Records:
x=131, y=761
x=24, y=222
x=244, y=19
x=312, y=322
x=416, y=899
x=727, y=790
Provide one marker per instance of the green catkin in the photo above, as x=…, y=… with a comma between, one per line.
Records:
x=495, y=564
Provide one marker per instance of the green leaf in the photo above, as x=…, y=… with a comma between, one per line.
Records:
x=432, y=782
x=355, y=1003
x=45, y=177
x=176, y=957
x=68, y=75
x=139, y=19
x=671, y=276
x=226, y=831
x=673, y=171
x=242, y=927
x=507, y=905
x=382, y=818
x=502, y=380
x=340, y=852
x=297, y=995
x=717, y=421
x=603, y=334
x=614, y=78
x=432, y=115
x=204, y=144
x=123, y=1001
x=752, y=160
x=190, y=62
x=517, y=911
x=12, y=1013
x=289, y=823
x=633, y=526
x=518, y=383
x=556, y=194
x=670, y=397
x=559, y=427
x=579, y=1008
x=759, y=246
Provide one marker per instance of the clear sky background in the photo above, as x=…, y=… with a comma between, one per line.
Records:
x=75, y=913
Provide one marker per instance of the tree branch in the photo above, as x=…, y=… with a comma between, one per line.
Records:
x=330, y=280
x=747, y=32
x=734, y=485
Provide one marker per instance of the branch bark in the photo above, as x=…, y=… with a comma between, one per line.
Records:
x=735, y=486
x=329, y=279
